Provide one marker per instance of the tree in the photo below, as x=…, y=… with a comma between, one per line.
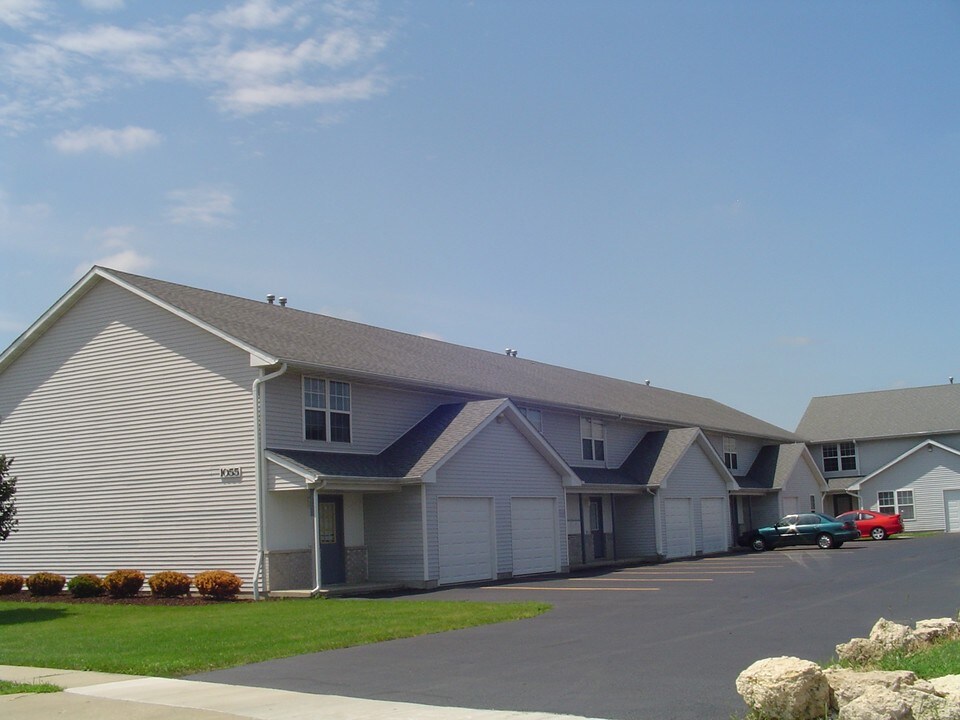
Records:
x=8, y=488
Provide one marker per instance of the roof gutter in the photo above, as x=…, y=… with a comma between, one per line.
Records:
x=260, y=471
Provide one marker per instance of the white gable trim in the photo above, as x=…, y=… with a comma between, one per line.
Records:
x=926, y=443
x=87, y=283
x=509, y=412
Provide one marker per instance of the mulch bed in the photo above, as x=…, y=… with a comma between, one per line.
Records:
x=142, y=599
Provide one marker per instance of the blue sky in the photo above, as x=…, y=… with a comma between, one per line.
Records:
x=756, y=202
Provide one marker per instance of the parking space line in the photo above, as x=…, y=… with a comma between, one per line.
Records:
x=685, y=572
x=634, y=579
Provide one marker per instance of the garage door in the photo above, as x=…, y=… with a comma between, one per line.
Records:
x=465, y=528
x=951, y=506
x=713, y=524
x=678, y=527
x=534, y=531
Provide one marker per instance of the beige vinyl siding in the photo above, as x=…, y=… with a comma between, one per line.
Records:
x=622, y=438
x=499, y=463
x=393, y=530
x=379, y=415
x=119, y=418
x=802, y=484
x=928, y=474
x=562, y=431
x=696, y=477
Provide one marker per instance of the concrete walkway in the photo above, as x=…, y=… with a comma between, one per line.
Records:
x=102, y=696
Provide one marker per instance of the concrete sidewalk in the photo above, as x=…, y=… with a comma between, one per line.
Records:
x=102, y=696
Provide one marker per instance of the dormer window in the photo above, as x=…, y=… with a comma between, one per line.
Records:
x=730, y=453
x=591, y=436
x=326, y=410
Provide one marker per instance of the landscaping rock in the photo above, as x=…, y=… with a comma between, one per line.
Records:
x=847, y=685
x=860, y=651
x=877, y=703
x=786, y=688
x=892, y=636
x=930, y=705
x=948, y=686
x=935, y=629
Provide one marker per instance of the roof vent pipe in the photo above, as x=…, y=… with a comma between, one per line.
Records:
x=951, y=379
x=510, y=352
x=646, y=382
x=283, y=301
x=270, y=298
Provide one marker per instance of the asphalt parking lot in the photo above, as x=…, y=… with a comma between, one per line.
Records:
x=649, y=642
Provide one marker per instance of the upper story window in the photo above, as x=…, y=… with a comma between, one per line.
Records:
x=839, y=456
x=326, y=410
x=730, y=453
x=591, y=437
x=534, y=416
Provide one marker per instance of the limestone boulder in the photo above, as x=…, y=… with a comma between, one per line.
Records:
x=860, y=651
x=936, y=629
x=877, y=703
x=948, y=686
x=786, y=688
x=892, y=636
x=930, y=705
x=847, y=685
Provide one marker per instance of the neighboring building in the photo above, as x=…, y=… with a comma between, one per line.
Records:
x=893, y=451
x=160, y=426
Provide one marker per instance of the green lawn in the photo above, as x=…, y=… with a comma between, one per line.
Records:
x=168, y=641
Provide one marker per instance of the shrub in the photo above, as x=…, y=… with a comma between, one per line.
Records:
x=10, y=584
x=124, y=583
x=169, y=583
x=84, y=586
x=218, y=584
x=44, y=583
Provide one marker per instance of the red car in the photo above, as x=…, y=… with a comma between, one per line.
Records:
x=873, y=524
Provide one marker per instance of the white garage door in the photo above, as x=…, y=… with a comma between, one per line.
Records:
x=465, y=528
x=534, y=530
x=679, y=527
x=714, y=525
x=951, y=504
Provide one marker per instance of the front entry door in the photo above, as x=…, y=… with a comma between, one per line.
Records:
x=332, y=570
x=596, y=528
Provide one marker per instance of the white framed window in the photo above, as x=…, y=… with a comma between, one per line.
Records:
x=326, y=410
x=730, y=453
x=591, y=437
x=839, y=456
x=896, y=502
x=534, y=416
x=813, y=503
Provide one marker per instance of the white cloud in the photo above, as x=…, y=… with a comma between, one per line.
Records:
x=250, y=57
x=200, y=206
x=18, y=13
x=103, y=5
x=117, y=251
x=254, y=15
x=112, y=142
x=255, y=98
x=109, y=40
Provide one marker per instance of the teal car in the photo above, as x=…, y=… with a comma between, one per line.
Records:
x=817, y=529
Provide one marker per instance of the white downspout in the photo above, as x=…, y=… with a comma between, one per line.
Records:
x=259, y=472
x=656, y=520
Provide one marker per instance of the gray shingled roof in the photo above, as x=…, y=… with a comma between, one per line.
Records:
x=413, y=454
x=318, y=341
x=881, y=414
x=772, y=467
x=648, y=464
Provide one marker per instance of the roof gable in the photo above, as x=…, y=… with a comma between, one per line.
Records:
x=882, y=414
x=776, y=463
x=928, y=444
